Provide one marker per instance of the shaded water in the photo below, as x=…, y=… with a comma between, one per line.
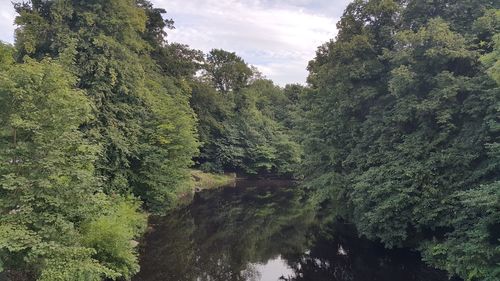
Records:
x=268, y=231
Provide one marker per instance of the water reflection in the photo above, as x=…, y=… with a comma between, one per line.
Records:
x=266, y=231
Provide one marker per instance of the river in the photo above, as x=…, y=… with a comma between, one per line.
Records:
x=267, y=231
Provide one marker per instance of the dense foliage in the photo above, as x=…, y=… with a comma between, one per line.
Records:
x=89, y=124
x=403, y=128
x=246, y=123
x=143, y=118
x=101, y=119
x=50, y=198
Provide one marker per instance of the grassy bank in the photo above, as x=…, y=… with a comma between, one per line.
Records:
x=202, y=180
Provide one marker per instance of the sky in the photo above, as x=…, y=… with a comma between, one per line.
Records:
x=279, y=37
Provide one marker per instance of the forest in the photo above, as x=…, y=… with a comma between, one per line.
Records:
x=103, y=119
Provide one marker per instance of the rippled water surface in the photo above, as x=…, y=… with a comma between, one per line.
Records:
x=268, y=231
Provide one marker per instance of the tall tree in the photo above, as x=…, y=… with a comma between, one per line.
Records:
x=402, y=124
x=48, y=189
x=143, y=118
x=227, y=71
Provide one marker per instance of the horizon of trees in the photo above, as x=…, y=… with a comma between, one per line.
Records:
x=101, y=119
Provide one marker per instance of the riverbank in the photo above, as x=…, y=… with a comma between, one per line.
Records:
x=202, y=180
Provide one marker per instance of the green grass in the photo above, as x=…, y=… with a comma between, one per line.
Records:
x=204, y=180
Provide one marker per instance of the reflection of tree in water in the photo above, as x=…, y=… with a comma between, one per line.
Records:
x=224, y=233
x=251, y=273
x=251, y=224
x=339, y=255
x=170, y=249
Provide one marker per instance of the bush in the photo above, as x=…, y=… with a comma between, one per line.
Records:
x=112, y=236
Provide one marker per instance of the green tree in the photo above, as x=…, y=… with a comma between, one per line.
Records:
x=48, y=187
x=250, y=133
x=143, y=119
x=244, y=120
x=402, y=128
x=227, y=71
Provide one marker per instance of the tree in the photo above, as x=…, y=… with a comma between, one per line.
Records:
x=143, y=119
x=402, y=129
x=227, y=71
x=178, y=60
x=247, y=133
x=48, y=188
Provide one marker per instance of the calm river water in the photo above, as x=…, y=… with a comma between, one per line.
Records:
x=268, y=231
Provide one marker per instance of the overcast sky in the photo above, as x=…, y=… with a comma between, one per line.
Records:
x=277, y=36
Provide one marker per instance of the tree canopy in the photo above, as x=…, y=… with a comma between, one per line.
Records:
x=403, y=128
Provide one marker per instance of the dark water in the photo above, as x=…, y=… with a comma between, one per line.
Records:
x=269, y=231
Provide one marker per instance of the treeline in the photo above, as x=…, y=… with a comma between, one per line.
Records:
x=403, y=129
x=246, y=123
x=101, y=119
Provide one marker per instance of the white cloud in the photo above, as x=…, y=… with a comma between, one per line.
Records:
x=285, y=71
x=278, y=36
x=7, y=16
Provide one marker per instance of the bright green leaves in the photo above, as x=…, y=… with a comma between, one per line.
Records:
x=48, y=183
x=434, y=46
x=6, y=56
x=167, y=144
x=402, y=81
x=15, y=237
x=492, y=60
x=41, y=115
x=143, y=121
x=62, y=263
x=489, y=25
x=112, y=235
